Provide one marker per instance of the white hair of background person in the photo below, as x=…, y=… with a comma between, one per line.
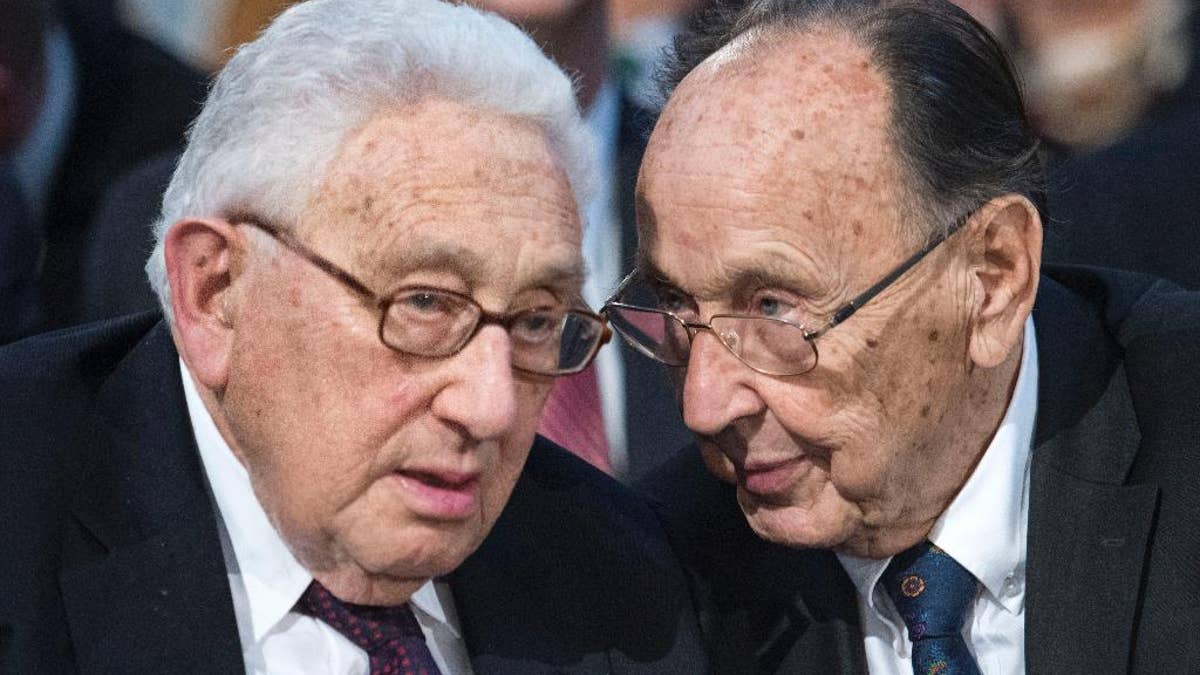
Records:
x=279, y=110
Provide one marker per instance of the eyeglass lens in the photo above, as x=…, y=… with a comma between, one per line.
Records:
x=429, y=322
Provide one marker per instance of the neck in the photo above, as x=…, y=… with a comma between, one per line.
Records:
x=956, y=448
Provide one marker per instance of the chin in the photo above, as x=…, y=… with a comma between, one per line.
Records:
x=414, y=552
x=795, y=527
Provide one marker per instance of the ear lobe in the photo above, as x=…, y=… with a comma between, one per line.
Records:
x=1006, y=269
x=203, y=262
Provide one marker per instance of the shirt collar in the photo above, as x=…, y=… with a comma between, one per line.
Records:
x=985, y=525
x=273, y=578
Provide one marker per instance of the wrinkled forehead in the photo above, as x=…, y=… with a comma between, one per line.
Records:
x=437, y=182
x=788, y=116
x=815, y=97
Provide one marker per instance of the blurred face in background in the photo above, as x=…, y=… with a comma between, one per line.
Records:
x=1091, y=67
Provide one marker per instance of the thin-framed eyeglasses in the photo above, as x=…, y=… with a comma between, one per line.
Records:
x=431, y=322
x=768, y=345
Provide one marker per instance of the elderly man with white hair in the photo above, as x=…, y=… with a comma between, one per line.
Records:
x=323, y=458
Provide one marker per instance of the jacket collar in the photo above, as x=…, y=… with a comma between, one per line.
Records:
x=1088, y=531
x=144, y=582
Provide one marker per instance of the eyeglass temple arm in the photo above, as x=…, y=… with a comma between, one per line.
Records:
x=847, y=310
x=308, y=254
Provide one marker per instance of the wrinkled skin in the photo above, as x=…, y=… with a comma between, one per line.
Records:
x=338, y=432
x=770, y=187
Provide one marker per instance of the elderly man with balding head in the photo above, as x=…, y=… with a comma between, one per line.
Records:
x=944, y=459
x=323, y=458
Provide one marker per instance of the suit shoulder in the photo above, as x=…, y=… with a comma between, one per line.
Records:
x=71, y=356
x=1130, y=304
x=47, y=383
x=577, y=563
x=582, y=496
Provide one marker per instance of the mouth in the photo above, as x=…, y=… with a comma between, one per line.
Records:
x=774, y=479
x=439, y=494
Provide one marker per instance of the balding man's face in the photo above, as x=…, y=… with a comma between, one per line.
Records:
x=770, y=188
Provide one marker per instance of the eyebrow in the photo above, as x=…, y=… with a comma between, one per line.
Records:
x=472, y=266
x=767, y=271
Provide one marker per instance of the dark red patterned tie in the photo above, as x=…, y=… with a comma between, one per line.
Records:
x=574, y=418
x=390, y=636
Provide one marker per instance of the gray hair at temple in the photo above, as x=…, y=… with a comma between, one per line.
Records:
x=277, y=113
x=958, y=120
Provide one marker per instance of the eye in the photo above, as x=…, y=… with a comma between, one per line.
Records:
x=536, y=325
x=424, y=301
x=771, y=306
x=671, y=299
x=426, y=305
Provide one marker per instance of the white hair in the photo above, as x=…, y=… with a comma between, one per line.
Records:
x=280, y=109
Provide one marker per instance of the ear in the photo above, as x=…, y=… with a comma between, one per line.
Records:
x=1006, y=262
x=204, y=261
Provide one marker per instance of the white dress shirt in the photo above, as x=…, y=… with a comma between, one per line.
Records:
x=984, y=530
x=602, y=252
x=266, y=580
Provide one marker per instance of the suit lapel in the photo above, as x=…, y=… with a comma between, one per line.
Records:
x=1088, y=532
x=144, y=581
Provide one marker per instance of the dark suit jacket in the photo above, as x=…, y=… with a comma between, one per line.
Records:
x=1113, y=568
x=111, y=560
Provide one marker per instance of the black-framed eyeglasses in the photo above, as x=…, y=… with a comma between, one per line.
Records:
x=435, y=323
x=768, y=345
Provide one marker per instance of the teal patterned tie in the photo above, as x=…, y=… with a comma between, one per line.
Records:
x=933, y=593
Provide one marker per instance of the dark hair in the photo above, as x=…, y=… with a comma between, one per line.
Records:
x=958, y=120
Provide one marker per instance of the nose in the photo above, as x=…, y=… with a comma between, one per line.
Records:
x=479, y=395
x=718, y=388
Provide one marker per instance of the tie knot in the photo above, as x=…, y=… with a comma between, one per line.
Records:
x=372, y=629
x=930, y=590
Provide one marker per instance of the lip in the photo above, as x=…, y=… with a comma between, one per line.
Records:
x=439, y=494
x=769, y=479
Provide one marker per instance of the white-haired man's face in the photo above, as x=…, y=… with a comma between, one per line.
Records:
x=382, y=470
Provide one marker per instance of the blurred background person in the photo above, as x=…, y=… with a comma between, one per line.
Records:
x=93, y=100
x=1114, y=88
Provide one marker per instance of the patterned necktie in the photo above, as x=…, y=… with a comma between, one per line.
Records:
x=574, y=418
x=390, y=636
x=932, y=593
